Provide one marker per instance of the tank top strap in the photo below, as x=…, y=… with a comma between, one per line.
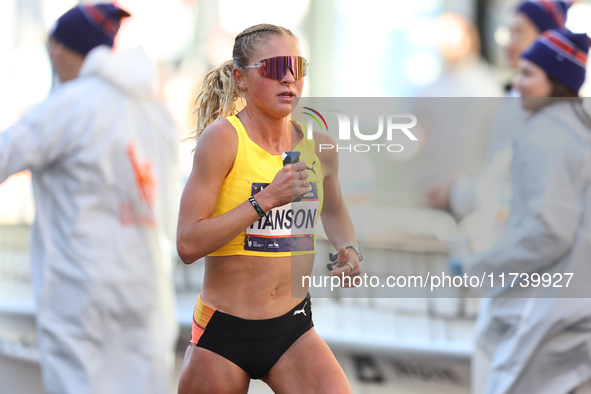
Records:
x=241, y=132
x=304, y=143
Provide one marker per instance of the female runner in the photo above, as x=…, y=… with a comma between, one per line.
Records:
x=237, y=211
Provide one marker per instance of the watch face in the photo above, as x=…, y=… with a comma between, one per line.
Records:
x=355, y=247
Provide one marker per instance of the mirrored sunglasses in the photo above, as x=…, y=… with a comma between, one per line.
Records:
x=276, y=67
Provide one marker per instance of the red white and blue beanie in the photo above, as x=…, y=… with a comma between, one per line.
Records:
x=85, y=27
x=546, y=14
x=563, y=55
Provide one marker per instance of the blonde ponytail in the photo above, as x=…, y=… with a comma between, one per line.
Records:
x=217, y=98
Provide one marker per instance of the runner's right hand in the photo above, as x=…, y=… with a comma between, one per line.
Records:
x=289, y=183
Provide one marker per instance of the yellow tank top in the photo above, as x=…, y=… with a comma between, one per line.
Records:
x=288, y=230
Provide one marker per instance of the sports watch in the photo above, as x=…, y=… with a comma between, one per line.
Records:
x=334, y=257
x=355, y=247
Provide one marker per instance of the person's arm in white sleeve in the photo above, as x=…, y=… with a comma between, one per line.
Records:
x=39, y=138
x=12, y=158
x=453, y=192
x=462, y=196
x=548, y=227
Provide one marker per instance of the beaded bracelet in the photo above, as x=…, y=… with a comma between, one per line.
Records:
x=256, y=206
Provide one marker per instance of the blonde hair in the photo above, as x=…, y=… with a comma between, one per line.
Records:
x=219, y=92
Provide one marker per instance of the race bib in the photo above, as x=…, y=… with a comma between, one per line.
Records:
x=288, y=228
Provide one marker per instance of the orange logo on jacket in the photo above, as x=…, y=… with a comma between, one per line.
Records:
x=146, y=183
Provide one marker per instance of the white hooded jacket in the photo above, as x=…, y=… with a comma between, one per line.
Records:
x=102, y=150
x=539, y=336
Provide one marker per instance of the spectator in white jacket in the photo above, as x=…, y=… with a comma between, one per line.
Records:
x=534, y=334
x=102, y=151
